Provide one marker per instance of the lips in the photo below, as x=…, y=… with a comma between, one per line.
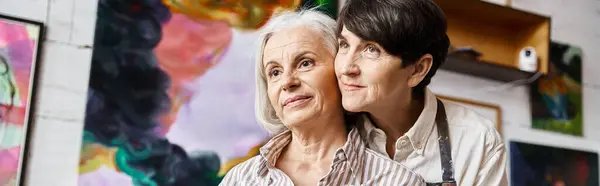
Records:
x=295, y=99
x=351, y=86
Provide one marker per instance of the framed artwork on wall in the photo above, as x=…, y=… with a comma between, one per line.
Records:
x=171, y=91
x=488, y=110
x=533, y=164
x=556, y=99
x=20, y=47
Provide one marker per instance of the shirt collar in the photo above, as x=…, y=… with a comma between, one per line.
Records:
x=421, y=130
x=352, y=151
x=271, y=151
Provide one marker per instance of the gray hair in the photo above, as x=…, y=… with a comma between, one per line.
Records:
x=265, y=113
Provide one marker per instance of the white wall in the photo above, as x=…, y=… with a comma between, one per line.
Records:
x=575, y=22
x=62, y=88
x=65, y=72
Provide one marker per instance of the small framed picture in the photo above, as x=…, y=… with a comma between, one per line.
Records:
x=488, y=110
x=544, y=164
x=20, y=43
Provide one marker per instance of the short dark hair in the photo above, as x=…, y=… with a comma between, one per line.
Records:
x=408, y=29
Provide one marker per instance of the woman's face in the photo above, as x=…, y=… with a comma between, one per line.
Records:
x=369, y=77
x=300, y=76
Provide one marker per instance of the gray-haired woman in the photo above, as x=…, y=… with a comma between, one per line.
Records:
x=298, y=101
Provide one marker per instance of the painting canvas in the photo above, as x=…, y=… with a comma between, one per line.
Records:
x=171, y=91
x=556, y=99
x=537, y=165
x=19, y=49
x=487, y=110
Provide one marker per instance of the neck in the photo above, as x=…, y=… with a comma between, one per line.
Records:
x=396, y=119
x=317, y=144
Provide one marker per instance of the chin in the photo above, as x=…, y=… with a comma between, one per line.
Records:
x=297, y=120
x=352, y=106
x=298, y=116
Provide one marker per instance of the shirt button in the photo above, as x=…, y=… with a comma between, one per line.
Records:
x=418, y=145
x=401, y=143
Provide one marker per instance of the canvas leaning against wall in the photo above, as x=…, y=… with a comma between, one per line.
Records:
x=19, y=52
x=487, y=110
x=171, y=91
x=537, y=165
x=556, y=99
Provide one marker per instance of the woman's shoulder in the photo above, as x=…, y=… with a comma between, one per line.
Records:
x=247, y=165
x=396, y=172
x=243, y=171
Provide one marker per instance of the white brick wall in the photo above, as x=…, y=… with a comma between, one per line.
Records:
x=62, y=87
x=574, y=22
x=62, y=94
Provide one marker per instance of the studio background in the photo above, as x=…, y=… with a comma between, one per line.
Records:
x=65, y=67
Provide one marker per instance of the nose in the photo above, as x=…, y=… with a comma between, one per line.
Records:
x=351, y=69
x=290, y=82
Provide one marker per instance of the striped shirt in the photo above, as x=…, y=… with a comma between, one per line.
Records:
x=353, y=164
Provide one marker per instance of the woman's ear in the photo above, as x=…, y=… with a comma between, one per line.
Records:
x=421, y=68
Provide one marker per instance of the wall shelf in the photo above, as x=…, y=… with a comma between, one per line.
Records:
x=499, y=33
x=484, y=69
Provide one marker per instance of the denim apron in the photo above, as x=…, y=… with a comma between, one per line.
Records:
x=441, y=121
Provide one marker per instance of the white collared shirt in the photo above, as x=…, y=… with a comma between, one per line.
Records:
x=478, y=151
x=353, y=165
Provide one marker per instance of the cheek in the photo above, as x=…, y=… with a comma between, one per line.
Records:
x=380, y=78
x=330, y=88
x=372, y=73
x=338, y=64
x=392, y=82
x=325, y=82
x=273, y=98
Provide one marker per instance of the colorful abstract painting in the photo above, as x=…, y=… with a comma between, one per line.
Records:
x=171, y=92
x=536, y=165
x=19, y=47
x=556, y=99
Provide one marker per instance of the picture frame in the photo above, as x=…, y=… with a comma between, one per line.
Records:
x=557, y=98
x=20, y=50
x=488, y=110
x=534, y=163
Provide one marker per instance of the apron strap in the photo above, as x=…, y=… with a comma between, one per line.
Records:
x=441, y=122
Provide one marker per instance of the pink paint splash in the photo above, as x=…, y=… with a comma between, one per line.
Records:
x=9, y=163
x=20, y=46
x=187, y=50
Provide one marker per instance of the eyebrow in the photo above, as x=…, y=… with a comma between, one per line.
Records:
x=300, y=54
x=296, y=57
x=340, y=36
x=268, y=63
